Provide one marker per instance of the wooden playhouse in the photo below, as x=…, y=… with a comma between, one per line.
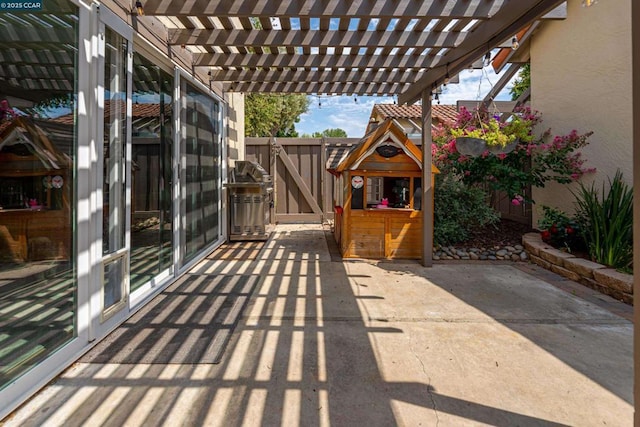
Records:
x=377, y=196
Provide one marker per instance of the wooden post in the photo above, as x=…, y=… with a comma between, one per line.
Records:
x=427, y=184
x=635, y=73
x=274, y=176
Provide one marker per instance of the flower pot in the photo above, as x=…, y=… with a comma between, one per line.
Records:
x=470, y=146
x=499, y=149
x=473, y=147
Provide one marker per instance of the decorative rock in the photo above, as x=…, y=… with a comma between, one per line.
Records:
x=436, y=258
x=524, y=256
x=483, y=257
x=501, y=253
x=515, y=257
x=510, y=248
x=461, y=253
x=492, y=257
x=473, y=255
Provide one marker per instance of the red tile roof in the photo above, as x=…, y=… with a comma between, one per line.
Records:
x=442, y=113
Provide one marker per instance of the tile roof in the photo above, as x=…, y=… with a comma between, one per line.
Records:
x=442, y=113
x=137, y=111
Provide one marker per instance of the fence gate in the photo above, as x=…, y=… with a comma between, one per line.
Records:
x=303, y=189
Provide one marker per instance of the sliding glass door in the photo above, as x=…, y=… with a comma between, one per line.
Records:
x=38, y=187
x=201, y=153
x=151, y=172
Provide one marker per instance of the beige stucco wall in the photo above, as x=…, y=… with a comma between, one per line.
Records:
x=235, y=129
x=581, y=79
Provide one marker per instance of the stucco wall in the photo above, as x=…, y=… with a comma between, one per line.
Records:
x=235, y=127
x=581, y=79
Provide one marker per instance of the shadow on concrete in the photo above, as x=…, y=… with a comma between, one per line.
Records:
x=302, y=354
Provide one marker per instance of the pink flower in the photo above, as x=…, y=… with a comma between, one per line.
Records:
x=501, y=156
x=517, y=200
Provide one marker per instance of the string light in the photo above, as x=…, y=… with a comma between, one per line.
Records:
x=587, y=3
x=514, y=43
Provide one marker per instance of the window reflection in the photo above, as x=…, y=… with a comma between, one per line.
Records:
x=151, y=195
x=201, y=151
x=37, y=184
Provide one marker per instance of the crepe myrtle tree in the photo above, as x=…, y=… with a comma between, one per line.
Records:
x=536, y=159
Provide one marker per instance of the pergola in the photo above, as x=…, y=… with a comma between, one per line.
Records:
x=406, y=48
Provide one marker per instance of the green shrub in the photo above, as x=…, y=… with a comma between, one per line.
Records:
x=559, y=230
x=607, y=222
x=458, y=208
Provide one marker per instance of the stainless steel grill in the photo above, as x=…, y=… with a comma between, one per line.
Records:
x=250, y=190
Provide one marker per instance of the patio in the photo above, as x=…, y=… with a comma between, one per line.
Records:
x=321, y=341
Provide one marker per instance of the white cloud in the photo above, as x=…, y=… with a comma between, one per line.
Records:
x=342, y=112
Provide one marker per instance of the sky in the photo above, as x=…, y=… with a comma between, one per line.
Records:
x=352, y=113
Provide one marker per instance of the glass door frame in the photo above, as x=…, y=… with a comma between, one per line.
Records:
x=42, y=373
x=183, y=76
x=142, y=295
x=104, y=319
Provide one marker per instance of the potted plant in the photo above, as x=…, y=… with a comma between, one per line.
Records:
x=479, y=132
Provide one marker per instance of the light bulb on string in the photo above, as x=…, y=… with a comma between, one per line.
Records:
x=514, y=43
x=588, y=3
x=487, y=59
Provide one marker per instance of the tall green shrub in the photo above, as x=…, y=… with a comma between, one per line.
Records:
x=458, y=208
x=606, y=220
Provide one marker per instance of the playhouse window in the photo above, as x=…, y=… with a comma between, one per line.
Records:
x=393, y=192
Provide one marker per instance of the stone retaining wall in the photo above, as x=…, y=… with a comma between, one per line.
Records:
x=596, y=276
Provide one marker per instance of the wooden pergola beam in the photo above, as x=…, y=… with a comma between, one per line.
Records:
x=373, y=61
x=335, y=88
x=309, y=76
x=428, y=9
x=319, y=38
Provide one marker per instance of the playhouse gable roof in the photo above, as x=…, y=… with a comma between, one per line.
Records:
x=387, y=131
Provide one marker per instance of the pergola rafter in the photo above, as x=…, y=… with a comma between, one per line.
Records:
x=429, y=9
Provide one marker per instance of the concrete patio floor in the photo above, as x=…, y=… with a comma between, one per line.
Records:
x=326, y=342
